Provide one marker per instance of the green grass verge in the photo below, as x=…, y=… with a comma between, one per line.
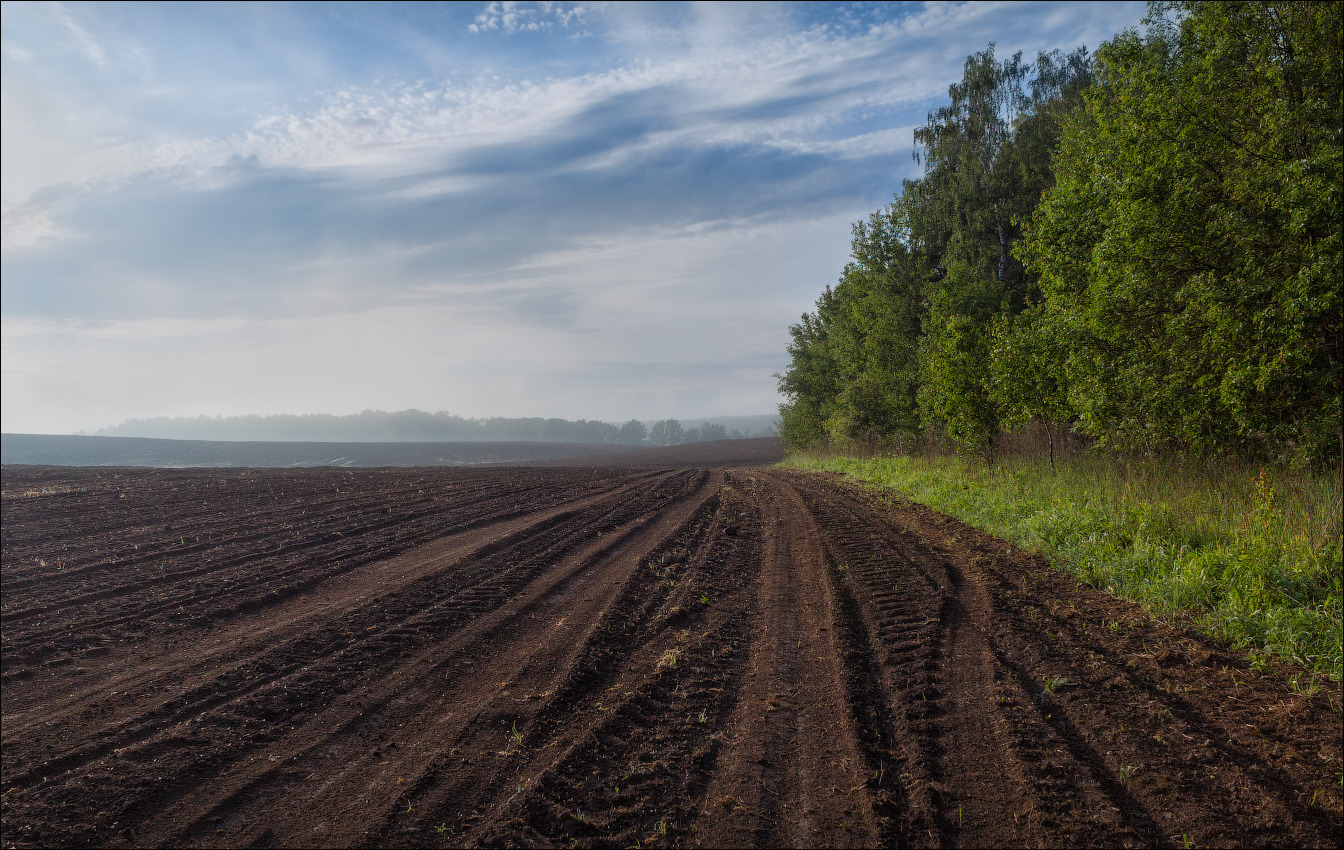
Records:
x=1253, y=557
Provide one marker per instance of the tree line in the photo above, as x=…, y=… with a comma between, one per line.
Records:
x=670, y=432
x=418, y=426
x=1142, y=245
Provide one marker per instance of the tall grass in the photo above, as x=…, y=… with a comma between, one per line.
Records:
x=1253, y=555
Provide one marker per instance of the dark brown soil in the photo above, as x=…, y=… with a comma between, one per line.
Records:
x=590, y=656
x=76, y=450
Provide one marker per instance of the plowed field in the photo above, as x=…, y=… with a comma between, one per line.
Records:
x=687, y=654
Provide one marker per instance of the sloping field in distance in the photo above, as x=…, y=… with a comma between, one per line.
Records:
x=717, y=453
x=62, y=450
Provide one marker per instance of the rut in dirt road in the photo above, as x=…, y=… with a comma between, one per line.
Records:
x=607, y=657
x=1028, y=710
x=240, y=696
x=793, y=773
x=371, y=746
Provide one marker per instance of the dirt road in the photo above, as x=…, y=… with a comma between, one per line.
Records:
x=668, y=652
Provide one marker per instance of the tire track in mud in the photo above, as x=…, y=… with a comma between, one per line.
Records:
x=535, y=627
x=213, y=512
x=624, y=749
x=1031, y=712
x=967, y=778
x=286, y=680
x=416, y=521
x=104, y=524
x=793, y=774
x=252, y=623
x=1181, y=773
x=237, y=643
x=674, y=657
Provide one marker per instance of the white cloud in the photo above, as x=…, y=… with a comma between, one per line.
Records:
x=401, y=129
x=86, y=43
x=26, y=227
x=17, y=54
x=737, y=91
x=510, y=17
x=631, y=240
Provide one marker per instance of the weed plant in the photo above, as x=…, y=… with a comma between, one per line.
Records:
x=1253, y=555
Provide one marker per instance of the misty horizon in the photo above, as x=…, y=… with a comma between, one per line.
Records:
x=414, y=425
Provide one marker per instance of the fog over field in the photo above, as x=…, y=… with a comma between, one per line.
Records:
x=606, y=212
x=420, y=426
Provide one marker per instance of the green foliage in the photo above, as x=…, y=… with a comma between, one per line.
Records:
x=1254, y=557
x=953, y=392
x=1145, y=247
x=633, y=432
x=1027, y=374
x=854, y=369
x=987, y=157
x=1190, y=252
x=899, y=344
x=962, y=209
x=667, y=432
x=713, y=431
x=800, y=420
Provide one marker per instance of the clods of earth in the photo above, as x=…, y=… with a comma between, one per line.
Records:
x=671, y=651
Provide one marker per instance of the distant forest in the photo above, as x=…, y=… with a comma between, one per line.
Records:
x=1141, y=245
x=419, y=426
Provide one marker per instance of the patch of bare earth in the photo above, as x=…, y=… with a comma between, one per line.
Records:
x=677, y=653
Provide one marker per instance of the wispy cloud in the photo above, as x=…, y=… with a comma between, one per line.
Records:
x=808, y=91
x=669, y=193
x=88, y=45
x=452, y=137
x=508, y=17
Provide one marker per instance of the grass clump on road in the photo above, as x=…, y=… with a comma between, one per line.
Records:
x=1253, y=555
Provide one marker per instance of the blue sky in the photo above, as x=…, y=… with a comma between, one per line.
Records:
x=552, y=209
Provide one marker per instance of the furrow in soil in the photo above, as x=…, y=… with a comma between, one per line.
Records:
x=677, y=649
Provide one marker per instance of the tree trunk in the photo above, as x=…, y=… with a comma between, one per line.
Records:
x=1050, y=435
x=1003, y=249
